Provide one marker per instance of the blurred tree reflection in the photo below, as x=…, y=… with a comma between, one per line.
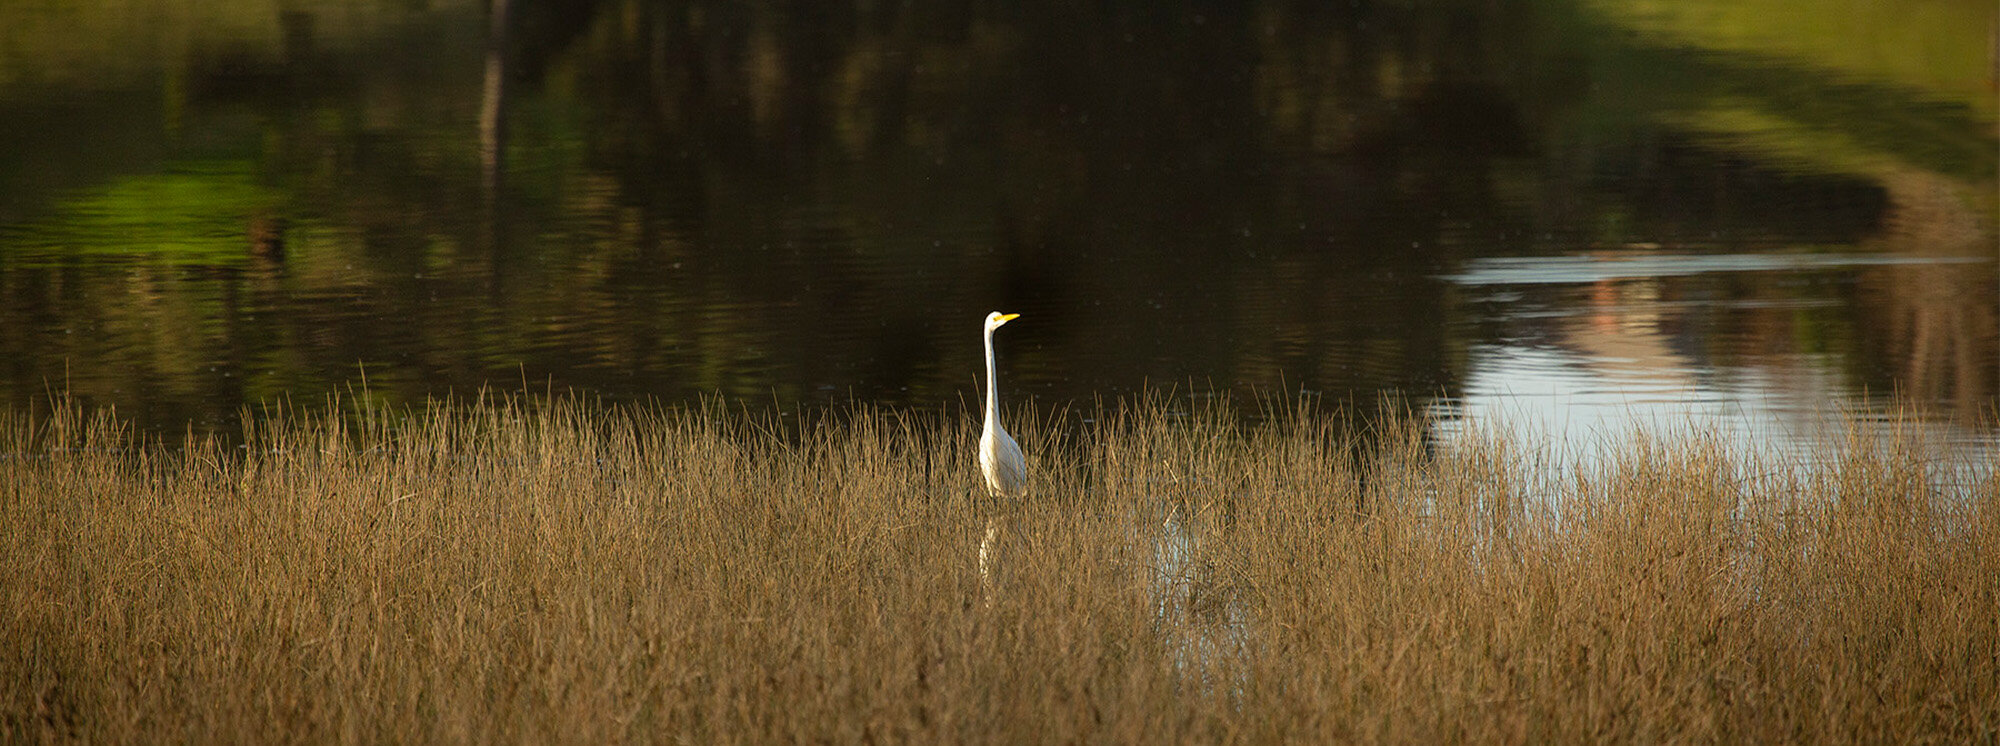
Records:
x=1941, y=325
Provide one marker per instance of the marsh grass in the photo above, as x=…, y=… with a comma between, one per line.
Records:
x=508, y=571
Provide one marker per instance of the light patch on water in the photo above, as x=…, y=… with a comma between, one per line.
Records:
x=1580, y=412
x=1540, y=270
x=1203, y=625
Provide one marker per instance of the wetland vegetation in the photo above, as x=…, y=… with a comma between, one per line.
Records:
x=554, y=571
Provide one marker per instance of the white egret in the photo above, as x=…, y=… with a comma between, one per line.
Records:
x=999, y=456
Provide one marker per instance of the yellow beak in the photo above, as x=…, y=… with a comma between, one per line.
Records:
x=1009, y=316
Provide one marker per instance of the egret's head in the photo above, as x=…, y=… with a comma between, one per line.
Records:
x=996, y=318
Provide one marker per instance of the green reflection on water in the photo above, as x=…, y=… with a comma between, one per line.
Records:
x=201, y=212
x=1870, y=89
x=1941, y=48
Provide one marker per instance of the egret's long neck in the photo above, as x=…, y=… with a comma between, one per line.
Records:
x=992, y=386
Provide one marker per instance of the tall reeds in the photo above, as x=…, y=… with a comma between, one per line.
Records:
x=557, y=572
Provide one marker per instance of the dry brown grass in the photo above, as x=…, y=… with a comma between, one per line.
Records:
x=559, y=573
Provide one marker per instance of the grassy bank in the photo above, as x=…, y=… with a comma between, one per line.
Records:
x=558, y=573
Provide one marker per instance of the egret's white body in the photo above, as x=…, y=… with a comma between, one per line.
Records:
x=999, y=456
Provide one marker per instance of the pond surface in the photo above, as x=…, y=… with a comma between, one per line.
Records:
x=1582, y=209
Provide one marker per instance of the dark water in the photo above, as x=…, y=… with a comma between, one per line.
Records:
x=1575, y=208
